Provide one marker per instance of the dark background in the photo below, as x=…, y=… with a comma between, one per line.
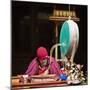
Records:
x=31, y=28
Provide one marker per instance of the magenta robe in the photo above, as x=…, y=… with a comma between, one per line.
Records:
x=33, y=67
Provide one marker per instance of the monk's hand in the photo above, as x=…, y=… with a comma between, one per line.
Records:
x=23, y=78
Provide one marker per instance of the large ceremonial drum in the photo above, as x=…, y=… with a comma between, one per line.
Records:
x=69, y=36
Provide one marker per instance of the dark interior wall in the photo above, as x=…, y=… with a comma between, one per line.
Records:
x=31, y=28
x=29, y=31
x=81, y=54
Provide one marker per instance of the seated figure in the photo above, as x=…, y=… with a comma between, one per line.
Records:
x=42, y=64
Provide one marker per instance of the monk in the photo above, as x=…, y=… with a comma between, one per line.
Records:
x=42, y=64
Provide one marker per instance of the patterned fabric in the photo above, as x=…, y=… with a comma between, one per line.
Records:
x=34, y=67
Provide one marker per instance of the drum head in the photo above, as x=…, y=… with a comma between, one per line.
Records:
x=69, y=35
x=65, y=38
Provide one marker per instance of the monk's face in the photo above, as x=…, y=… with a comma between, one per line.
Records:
x=44, y=62
x=41, y=60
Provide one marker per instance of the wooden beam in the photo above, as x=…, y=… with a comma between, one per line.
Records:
x=58, y=19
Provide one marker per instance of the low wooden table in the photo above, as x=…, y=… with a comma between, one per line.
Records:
x=19, y=85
